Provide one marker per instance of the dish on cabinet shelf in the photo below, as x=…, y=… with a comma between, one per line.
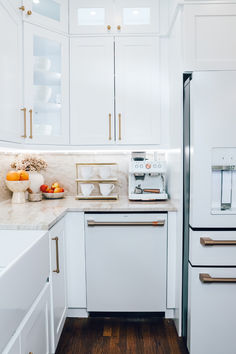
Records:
x=42, y=77
x=42, y=94
x=42, y=63
x=41, y=107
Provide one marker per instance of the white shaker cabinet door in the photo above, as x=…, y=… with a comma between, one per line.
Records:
x=137, y=90
x=91, y=16
x=46, y=86
x=92, y=91
x=35, y=336
x=58, y=281
x=209, y=37
x=136, y=16
x=52, y=14
x=11, y=116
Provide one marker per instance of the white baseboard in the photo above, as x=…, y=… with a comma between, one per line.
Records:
x=169, y=313
x=80, y=313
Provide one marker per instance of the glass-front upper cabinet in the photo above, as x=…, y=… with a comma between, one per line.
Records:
x=137, y=16
x=46, y=86
x=114, y=16
x=91, y=16
x=52, y=14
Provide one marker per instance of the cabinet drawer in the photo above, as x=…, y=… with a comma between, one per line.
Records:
x=212, y=312
x=212, y=248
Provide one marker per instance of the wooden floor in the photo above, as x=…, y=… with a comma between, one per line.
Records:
x=120, y=336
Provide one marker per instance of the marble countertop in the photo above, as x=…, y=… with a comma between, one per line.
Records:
x=43, y=215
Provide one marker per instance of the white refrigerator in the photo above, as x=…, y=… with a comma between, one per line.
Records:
x=209, y=263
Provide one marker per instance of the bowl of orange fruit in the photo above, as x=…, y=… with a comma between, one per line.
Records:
x=53, y=192
x=18, y=182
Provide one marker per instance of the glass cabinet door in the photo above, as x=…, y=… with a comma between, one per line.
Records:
x=91, y=16
x=137, y=16
x=46, y=86
x=52, y=14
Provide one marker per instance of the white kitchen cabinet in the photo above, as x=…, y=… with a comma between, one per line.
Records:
x=209, y=37
x=212, y=312
x=11, y=116
x=92, y=91
x=137, y=90
x=75, y=260
x=35, y=336
x=137, y=16
x=91, y=16
x=114, y=17
x=51, y=14
x=126, y=262
x=136, y=103
x=58, y=281
x=46, y=86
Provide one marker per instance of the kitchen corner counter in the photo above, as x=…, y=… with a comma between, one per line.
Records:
x=43, y=215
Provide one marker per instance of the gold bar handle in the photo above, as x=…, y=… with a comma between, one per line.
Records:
x=110, y=126
x=57, y=255
x=206, y=278
x=31, y=123
x=22, y=8
x=24, y=110
x=126, y=223
x=119, y=117
x=207, y=241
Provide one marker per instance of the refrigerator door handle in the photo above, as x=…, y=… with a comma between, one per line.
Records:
x=207, y=241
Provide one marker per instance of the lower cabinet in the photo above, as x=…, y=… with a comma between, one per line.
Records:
x=35, y=336
x=212, y=310
x=34, y=332
x=58, y=281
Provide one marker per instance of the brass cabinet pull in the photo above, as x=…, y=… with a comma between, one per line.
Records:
x=119, y=27
x=57, y=255
x=31, y=123
x=109, y=27
x=207, y=241
x=22, y=8
x=110, y=126
x=126, y=223
x=24, y=110
x=119, y=117
x=29, y=12
x=206, y=278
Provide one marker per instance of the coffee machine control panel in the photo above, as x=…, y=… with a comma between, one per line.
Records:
x=147, y=166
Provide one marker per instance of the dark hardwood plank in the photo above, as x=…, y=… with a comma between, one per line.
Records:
x=120, y=336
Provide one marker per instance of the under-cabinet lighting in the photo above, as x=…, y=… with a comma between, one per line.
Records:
x=135, y=12
x=93, y=13
x=36, y=1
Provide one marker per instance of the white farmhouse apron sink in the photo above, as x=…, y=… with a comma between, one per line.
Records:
x=24, y=269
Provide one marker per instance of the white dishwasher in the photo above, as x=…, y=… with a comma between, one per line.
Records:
x=126, y=262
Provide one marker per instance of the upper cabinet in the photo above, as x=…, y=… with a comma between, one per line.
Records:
x=114, y=16
x=46, y=86
x=209, y=37
x=11, y=116
x=52, y=14
x=115, y=91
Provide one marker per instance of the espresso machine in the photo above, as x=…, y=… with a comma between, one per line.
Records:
x=147, y=178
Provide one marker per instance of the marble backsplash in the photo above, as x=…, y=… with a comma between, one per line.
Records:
x=61, y=168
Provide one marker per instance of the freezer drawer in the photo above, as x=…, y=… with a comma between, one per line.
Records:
x=212, y=248
x=126, y=262
x=212, y=311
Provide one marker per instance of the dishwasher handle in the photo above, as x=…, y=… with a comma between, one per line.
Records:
x=126, y=223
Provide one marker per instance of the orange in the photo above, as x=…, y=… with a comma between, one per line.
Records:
x=24, y=176
x=13, y=176
x=57, y=190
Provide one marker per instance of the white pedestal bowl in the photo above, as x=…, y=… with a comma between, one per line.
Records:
x=18, y=188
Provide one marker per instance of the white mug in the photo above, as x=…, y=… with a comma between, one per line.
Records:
x=106, y=189
x=86, y=189
x=86, y=171
x=104, y=171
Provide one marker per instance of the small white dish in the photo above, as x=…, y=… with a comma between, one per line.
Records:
x=104, y=172
x=42, y=94
x=42, y=63
x=86, y=172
